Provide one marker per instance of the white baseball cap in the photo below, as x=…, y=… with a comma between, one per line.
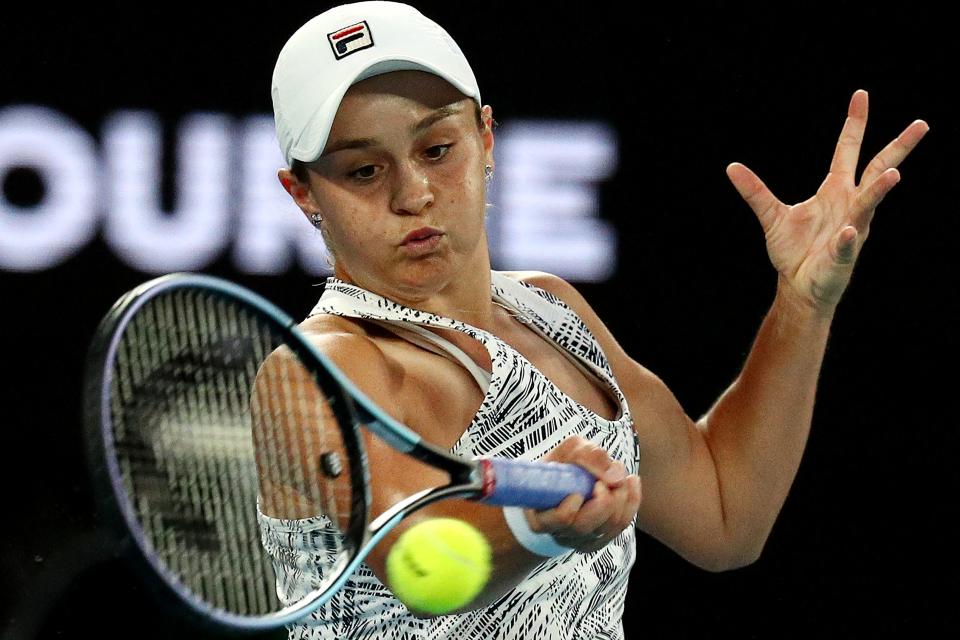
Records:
x=343, y=46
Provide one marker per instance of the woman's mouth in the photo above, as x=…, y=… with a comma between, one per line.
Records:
x=423, y=240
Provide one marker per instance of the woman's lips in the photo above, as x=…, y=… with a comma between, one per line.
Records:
x=423, y=240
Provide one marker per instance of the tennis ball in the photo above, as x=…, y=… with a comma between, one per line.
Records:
x=439, y=565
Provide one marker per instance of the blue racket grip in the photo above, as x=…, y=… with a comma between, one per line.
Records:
x=534, y=485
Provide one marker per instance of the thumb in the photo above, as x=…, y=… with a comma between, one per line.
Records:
x=752, y=189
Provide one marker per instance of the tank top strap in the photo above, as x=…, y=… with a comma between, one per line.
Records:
x=439, y=345
x=556, y=321
x=348, y=300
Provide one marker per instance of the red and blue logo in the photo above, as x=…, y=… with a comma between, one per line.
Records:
x=350, y=39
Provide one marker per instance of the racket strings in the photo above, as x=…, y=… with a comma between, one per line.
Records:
x=209, y=412
x=179, y=387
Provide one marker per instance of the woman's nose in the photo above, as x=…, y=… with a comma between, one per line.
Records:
x=412, y=192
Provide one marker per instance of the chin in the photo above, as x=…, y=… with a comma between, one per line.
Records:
x=428, y=276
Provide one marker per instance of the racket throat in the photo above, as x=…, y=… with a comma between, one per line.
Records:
x=388, y=519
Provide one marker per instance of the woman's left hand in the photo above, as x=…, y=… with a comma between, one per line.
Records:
x=814, y=244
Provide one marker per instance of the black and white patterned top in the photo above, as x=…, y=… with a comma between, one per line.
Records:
x=573, y=596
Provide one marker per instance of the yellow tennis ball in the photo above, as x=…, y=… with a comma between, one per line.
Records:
x=439, y=565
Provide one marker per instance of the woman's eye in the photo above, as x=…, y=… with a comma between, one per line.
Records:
x=367, y=171
x=438, y=151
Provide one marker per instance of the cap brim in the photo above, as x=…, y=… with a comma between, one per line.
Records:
x=313, y=139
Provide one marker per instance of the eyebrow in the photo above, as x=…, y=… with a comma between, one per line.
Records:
x=426, y=123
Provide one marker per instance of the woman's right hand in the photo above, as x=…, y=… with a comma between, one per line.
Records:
x=589, y=525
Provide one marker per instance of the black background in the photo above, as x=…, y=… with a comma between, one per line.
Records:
x=864, y=545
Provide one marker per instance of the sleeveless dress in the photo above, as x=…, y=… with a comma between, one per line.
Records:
x=573, y=596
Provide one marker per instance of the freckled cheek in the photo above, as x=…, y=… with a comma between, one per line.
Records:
x=458, y=181
x=459, y=170
x=368, y=236
x=347, y=234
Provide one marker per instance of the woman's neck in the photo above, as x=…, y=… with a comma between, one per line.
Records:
x=465, y=296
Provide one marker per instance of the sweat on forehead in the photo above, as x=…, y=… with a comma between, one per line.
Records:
x=344, y=46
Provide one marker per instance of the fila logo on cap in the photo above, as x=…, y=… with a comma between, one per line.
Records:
x=350, y=39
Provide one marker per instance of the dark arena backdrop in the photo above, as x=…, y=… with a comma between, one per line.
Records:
x=137, y=139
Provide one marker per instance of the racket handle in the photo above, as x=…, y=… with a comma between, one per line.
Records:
x=535, y=485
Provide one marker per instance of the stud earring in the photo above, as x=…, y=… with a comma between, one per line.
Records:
x=316, y=219
x=488, y=173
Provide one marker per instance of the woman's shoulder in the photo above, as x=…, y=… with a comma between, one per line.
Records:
x=549, y=286
x=320, y=325
x=353, y=345
x=535, y=278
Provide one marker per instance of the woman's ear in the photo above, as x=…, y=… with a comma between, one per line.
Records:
x=488, y=122
x=299, y=191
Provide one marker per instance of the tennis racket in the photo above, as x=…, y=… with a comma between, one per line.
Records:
x=203, y=398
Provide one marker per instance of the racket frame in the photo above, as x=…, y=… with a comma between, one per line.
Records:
x=351, y=406
x=470, y=479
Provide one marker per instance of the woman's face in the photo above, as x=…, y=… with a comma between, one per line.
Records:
x=404, y=155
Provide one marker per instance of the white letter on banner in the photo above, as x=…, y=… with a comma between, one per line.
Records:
x=550, y=199
x=64, y=156
x=271, y=225
x=199, y=227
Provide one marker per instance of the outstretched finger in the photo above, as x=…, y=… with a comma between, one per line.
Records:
x=751, y=188
x=894, y=153
x=869, y=198
x=851, y=137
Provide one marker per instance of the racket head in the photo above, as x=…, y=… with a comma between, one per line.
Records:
x=195, y=397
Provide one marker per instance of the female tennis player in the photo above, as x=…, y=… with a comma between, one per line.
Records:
x=390, y=150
